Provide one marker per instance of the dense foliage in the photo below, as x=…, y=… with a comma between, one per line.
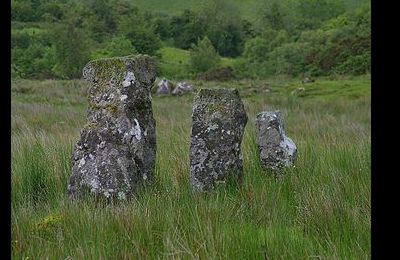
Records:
x=203, y=56
x=54, y=39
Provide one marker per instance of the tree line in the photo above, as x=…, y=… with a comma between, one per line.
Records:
x=56, y=38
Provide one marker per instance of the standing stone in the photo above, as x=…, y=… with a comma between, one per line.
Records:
x=182, y=88
x=117, y=146
x=218, y=125
x=276, y=149
x=164, y=87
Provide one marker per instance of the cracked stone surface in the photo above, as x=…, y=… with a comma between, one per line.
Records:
x=117, y=147
x=219, y=120
x=276, y=149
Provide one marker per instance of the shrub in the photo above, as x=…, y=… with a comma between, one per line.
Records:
x=219, y=74
x=116, y=47
x=203, y=56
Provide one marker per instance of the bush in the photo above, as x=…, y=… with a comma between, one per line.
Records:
x=219, y=74
x=341, y=46
x=145, y=40
x=289, y=59
x=186, y=29
x=71, y=50
x=203, y=57
x=116, y=47
x=355, y=65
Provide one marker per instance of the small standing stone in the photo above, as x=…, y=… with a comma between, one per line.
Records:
x=164, y=87
x=182, y=88
x=117, y=147
x=218, y=125
x=276, y=149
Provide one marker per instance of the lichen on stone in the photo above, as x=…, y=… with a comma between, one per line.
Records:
x=112, y=154
x=276, y=150
x=214, y=156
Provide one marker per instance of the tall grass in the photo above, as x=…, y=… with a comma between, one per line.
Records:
x=320, y=208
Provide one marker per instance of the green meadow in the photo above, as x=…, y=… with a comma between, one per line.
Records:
x=321, y=208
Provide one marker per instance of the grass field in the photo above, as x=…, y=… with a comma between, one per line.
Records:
x=319, y=209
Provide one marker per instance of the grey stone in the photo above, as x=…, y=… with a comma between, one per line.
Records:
x=276, y=149
x=164, y=87
x=117, y=147
x=182, y=88
x=307, y=80
x=219, y=119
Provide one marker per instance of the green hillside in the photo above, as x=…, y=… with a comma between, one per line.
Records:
x=246, y=7
x=266, y=37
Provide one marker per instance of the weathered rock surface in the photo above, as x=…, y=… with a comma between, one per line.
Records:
x=276, y=149
x=164, y=87
x=117, y=146
x=182, y=88
x=218, y=125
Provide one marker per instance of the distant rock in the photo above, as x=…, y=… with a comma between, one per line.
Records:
x=164, y=87
x=276, y=149
x=308, y=80
x=218, y=125
x=297, y=91
x=117, y=147
x=182, y=88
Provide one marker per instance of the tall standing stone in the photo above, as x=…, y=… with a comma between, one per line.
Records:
x=218, y=125
x=276, y=149
x=117, y=146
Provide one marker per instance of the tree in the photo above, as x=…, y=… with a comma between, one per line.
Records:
x=117, y=47
x=99, y=19
x=314, y=12
x=22, y=11
x=274, y=16
x=186, y=29
x=162, y=26
x=223, y=27
x=71, y=47
x=132, y=25
x=203, y=56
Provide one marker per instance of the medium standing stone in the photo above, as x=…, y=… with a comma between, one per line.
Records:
x=117, y=147
x=218, y=125
x=276, y=149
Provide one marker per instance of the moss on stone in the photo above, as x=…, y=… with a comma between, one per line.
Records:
x=107, y=68
x=90, y=125
x=213, y=108
x=94, y=106
x=113, y=109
